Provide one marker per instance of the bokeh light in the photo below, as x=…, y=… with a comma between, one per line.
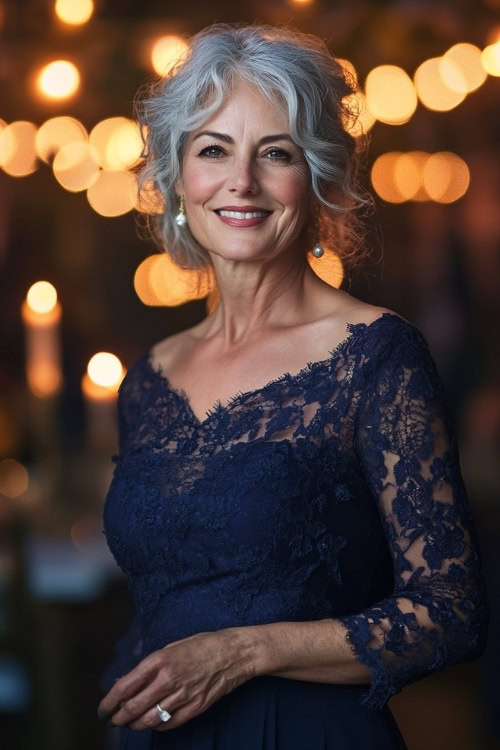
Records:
x=42, y=297
x=166, y=53
x=408, y=175
x=113, y=192
x=149, y=201
x=76, y=166
x=494, y=35
x=418, y=176
x=158, y=281
x=490, y=59
x=58, y=132
x=432, y=90
x=74, y=12
x=58, y=80
x=452, y=75
x=390, y=94
x=117, y=141
x=124, y=146
x=382, y=177
x=361, y=118
x=348, y=67
x=17, y=148
x=14, y=478
x=105, y=369
x=467, y=57
x=329, y=267
x=446, y=177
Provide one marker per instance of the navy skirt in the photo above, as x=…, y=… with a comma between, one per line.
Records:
x=276, y=713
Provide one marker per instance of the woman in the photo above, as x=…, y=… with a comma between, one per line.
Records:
x=287, y=501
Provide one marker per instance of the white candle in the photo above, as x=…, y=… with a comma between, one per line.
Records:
x=100, y=388
x=41, y=313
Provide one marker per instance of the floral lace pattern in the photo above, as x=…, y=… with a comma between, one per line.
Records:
x=334, y=493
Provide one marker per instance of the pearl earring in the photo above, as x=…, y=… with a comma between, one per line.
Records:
x=317, y=250
x=181, y=219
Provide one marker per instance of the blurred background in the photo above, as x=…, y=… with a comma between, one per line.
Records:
x=83, y=293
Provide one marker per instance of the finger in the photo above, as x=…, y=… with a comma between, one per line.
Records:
x=124, y=688
x=150, y=719
x=179, y=715
x=140, y=704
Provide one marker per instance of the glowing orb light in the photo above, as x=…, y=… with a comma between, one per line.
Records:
x=58, y=132
x=17, y=148
x=74, y=12
x=105, y=369
x=58, y=80
x=42, y=297
x=433, y=90
x=166, y=53
x=390, y=94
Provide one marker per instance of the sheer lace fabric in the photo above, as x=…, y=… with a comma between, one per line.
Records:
x=333, y=493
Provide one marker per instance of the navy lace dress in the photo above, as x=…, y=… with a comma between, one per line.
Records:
x=333, y=493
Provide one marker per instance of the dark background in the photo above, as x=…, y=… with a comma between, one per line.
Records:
x=437, y=265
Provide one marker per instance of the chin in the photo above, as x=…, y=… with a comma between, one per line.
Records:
x=241, y=252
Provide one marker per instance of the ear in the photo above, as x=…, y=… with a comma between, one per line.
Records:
x=179, y=187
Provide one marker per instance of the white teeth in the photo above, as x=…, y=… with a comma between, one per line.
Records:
x=242, y=215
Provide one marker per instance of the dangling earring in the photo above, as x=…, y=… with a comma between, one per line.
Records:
x=181, y=219
x=317, y=250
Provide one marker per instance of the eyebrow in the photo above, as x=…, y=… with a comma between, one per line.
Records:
x=227, y=138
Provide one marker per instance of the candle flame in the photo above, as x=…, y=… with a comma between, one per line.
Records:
x=42, y=297
x=105, y=369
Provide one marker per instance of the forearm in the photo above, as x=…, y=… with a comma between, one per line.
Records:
x=315, y=651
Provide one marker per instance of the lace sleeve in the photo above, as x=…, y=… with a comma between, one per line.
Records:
x=127, y=406
x=437, y=613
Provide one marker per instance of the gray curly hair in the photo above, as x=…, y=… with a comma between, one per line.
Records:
x=289, y=67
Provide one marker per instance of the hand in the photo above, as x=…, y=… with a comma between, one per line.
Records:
x=185, y=678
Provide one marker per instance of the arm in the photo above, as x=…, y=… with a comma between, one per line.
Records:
x=437, y=613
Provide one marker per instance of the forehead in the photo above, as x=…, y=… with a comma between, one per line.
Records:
x=246, y=108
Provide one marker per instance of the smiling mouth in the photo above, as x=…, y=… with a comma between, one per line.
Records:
x=243, y=214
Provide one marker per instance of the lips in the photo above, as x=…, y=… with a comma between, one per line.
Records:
x=242, y=216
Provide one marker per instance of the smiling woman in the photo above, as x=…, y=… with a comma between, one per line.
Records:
x=287, y=500
x=290, y=73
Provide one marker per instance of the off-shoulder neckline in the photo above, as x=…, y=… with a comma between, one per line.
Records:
x=218, y=408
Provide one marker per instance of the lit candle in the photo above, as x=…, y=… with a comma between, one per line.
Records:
x=41, y=313
x=100, y=387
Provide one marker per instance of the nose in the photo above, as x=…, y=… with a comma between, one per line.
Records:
x=242, y=178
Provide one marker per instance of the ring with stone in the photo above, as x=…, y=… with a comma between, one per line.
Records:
x=164, y=715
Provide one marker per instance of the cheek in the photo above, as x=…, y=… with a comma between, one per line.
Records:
x=199, y=184
x=292, y=189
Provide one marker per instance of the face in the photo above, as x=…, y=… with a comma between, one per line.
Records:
x=245, y=183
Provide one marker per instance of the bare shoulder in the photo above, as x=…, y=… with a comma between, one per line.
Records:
x=353, y=310
x=174, y=347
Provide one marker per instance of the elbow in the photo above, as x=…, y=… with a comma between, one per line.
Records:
x=473, y=635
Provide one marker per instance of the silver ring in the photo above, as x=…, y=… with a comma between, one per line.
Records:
x=164, y=715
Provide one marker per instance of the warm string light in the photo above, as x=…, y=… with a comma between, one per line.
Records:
x=58, y=80
x=490, y=58
x=166, y=52
x=158, y=281
x=418, y=176
x=76, y=166
x=57, y=132
x=113, y=192
x=390, y=94
x=74, y=12
x=17, y=148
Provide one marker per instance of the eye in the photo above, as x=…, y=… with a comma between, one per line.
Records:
x=212, y=152
x=278, y=154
